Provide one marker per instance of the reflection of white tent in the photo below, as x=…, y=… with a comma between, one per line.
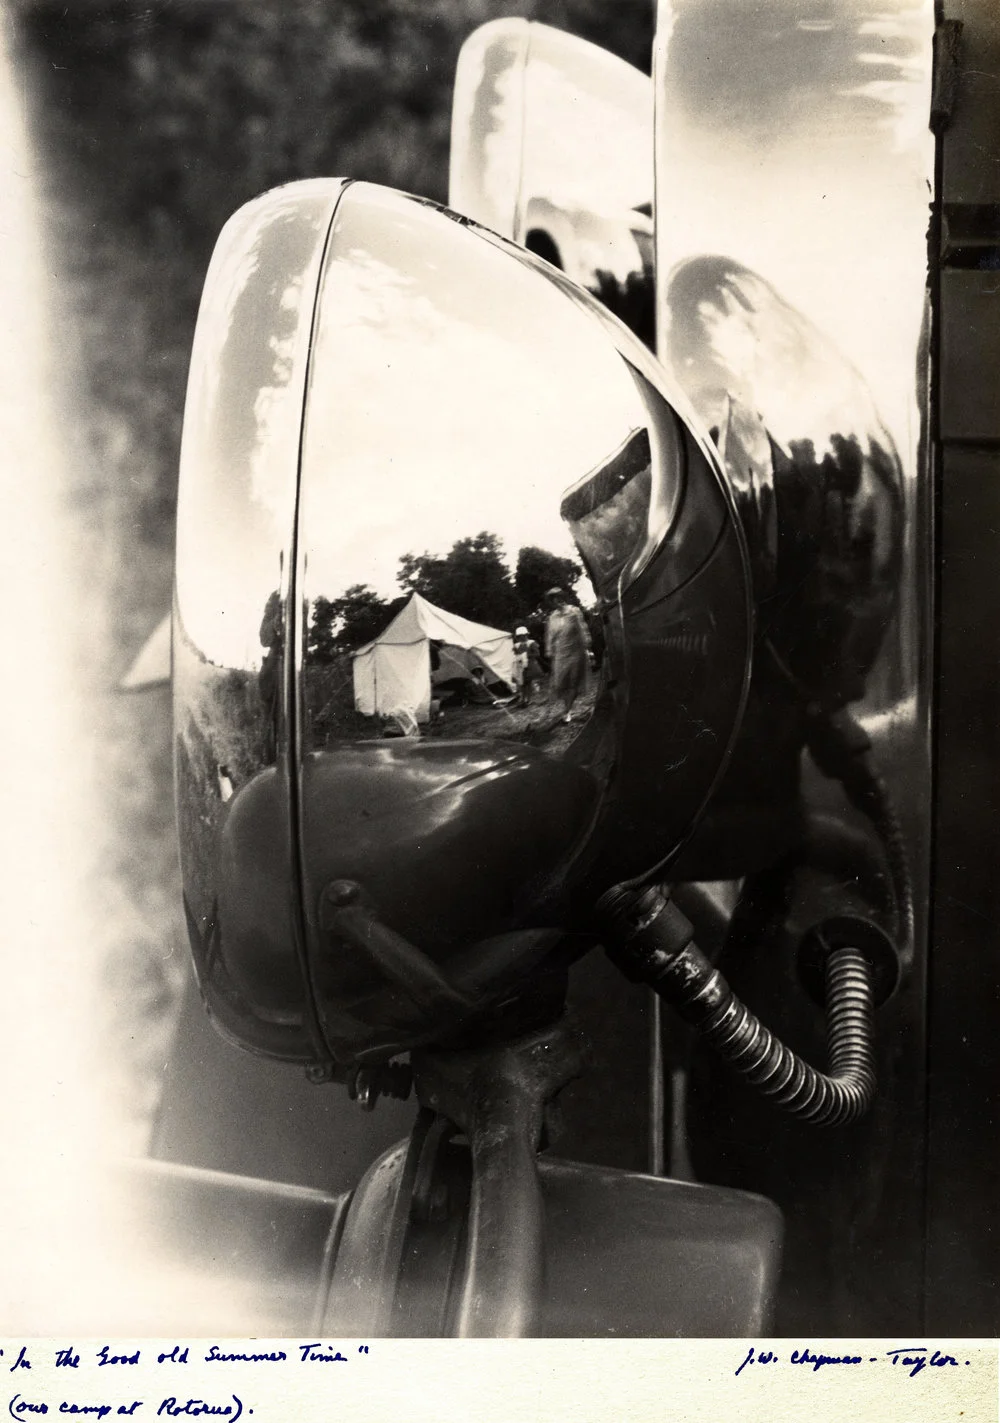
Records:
x=394, y=671
x=151, y=667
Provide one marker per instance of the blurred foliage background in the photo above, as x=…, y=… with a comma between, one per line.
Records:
x=167, y=116
x=204, y=103
x=151, y=123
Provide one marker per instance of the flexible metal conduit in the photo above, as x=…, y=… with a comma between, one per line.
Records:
x=842, y=750
x=649, y=939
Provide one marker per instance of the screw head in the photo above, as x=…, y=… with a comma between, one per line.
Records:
x=341, y=892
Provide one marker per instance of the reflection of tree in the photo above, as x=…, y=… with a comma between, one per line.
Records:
x=272, y=639
x=632, y=301
x=472, y=580
x=538, y=571
x=346, y=623
x=839, y=521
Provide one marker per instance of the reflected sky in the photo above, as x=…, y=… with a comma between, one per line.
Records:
x=839, y=62
x=552, y=146
x=794, y=137
x=487, y=119
x=733, y=335
x=540, y=114
x=452, y=391
x=588, y=126
x=243, y=417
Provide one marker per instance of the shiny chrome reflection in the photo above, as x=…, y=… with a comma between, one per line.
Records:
x=235, y=539
x=799, y=150
x=814, y=471
x=432, y=486
x=494, y=501
x=551, y=145
x=484, y=640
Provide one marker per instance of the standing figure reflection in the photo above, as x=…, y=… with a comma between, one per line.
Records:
x=272, y=639
x=567, y=646
x=527, y=665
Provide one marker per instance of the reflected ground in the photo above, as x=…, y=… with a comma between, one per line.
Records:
x=334, y=718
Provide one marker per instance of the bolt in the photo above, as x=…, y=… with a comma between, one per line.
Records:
x=341, y=892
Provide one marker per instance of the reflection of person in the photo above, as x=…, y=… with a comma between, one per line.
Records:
x=527, y=664
x=567, y=646
x=269, y=676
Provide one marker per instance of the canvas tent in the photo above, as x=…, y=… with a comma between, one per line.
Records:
x=151, y=667
x=394, y=671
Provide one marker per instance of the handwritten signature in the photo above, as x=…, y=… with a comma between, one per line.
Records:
x=911, y=1359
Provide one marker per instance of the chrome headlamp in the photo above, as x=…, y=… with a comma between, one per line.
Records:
x=378, y=386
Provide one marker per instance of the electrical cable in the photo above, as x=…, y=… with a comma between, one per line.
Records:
x=650, y=941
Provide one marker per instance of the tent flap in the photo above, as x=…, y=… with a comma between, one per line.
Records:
x=394, y=671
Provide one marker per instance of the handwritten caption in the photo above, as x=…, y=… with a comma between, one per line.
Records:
x=911, y=1359
x=91, y=1401
x=174, y=1380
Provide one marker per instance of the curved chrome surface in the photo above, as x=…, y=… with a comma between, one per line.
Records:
x=474, y=439
x=406, y=441
x=235, y=542
x=814, y=471
x=800, y=149
x=551, y=145
x=794, y=167
x=793, y=146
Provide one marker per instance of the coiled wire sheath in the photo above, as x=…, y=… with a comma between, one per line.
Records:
x=842, y=750
x=649, y=939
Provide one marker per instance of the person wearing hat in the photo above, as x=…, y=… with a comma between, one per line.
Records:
x=527, y=664
x=567, y=646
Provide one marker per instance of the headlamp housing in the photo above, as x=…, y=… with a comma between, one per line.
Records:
x=375, y=382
